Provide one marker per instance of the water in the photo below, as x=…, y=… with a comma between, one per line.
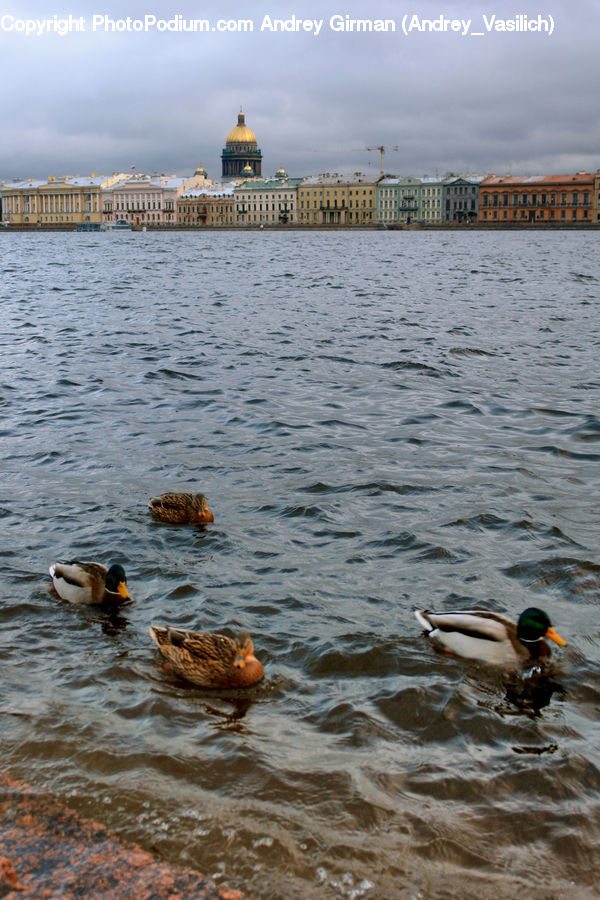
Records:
x=380, y=421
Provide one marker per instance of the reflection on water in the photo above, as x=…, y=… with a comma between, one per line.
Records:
x=379, y=421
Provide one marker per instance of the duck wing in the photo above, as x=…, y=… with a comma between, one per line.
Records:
x=477, y=623
x=79, y=582
x=172, y=501
x=77, y=573
x=213, y=648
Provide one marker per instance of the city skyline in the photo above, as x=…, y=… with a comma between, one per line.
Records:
x=451, y=98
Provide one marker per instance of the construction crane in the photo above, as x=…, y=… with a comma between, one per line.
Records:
x=381, y=157
x=381, y=149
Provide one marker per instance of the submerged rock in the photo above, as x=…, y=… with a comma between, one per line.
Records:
x=50, y=851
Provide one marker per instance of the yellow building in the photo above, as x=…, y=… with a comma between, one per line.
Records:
x=67, y=201
x=337, y=200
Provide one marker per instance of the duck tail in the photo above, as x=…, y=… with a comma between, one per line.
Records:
x=157, y=634
x=421, y=617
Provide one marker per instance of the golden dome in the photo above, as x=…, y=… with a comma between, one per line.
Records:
x=241, y=134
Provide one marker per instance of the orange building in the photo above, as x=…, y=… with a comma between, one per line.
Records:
x=539, y=199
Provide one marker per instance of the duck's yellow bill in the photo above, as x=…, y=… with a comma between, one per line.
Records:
x=122, y=589
x=551, y=633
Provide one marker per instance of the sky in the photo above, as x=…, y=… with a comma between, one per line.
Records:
x=446, y=88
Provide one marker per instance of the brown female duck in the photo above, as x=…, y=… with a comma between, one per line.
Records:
x=181, y=509
x=209, y=660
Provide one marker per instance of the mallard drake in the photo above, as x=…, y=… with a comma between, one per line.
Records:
x=181, y=509
x=89, y=582
x=490, y=637
x=210, y=660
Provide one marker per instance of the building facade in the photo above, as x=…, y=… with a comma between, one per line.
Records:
x=65, y=201
x=596, y=203
x=267, y=201
x=460, y=198
x=241, y=151
x=429, y=199
x=338, y=200
x=537, y=199
x=198, y=208
x=397, y=200
x=148, y=200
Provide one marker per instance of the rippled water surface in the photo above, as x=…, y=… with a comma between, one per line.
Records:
x=380, y=421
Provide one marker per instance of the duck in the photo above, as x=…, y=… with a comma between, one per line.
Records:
x=88, y=583
x=491, y=637
x=209, y=660
x=181, y=509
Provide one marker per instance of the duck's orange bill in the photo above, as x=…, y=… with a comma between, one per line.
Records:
x=123, y=591
x=551, y=633
x=205, y=516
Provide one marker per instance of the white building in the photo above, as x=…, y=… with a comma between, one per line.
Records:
x=148, y=199
x=267, y=201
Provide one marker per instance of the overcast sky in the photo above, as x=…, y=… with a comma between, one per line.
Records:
x=524, y=102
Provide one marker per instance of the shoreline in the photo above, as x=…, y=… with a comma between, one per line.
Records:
x=441, y=226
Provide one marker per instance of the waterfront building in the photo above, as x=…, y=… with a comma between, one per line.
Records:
x=397, y=200
x=58, y=201
x=148, y=200
x=596, y=202
x=267, y=201
x=198, y=208
x=523, y=199
x=429, y=200
x=460, y=198
x=338, y=200
x=241, y=151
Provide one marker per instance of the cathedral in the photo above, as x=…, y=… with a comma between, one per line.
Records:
x=241, y=157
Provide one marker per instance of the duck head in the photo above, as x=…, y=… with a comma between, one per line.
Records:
x=244, y=649
x=116, y=581
x=534, y=625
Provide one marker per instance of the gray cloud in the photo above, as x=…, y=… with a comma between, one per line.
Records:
x=165, y=102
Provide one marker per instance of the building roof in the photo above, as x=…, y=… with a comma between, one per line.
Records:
x=223, y=193
x=344, y=180
x=268, y=184
x=92, y=180
x=526, y=180
x=468, y=179
x=404, y=180
x=139, y=182
x=241, y=134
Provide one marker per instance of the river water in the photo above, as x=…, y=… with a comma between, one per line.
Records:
x=380, y=421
